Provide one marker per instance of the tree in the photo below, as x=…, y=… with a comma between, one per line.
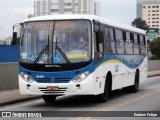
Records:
x=155, y=48
x=139, y=23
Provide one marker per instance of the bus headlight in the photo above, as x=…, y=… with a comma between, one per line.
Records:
x=81, y=77
x=26, y=77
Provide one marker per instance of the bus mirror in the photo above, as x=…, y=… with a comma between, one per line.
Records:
x=14, y=38
x=16, y=34
x=100, y=36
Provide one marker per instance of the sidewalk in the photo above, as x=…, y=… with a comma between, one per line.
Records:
x=13, y=96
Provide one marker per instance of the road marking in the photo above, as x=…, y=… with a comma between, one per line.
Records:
x=112, y=107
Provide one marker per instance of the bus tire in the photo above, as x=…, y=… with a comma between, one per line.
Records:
x=134, y=88
x=104, y=96
x=49, y=98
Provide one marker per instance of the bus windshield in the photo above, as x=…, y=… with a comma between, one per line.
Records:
x=53, y=42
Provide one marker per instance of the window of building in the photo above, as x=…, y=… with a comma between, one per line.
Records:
x=148, y=18
x=148, y=14
x=149, y=6
x=153, y=18
x=157, y=14
x=153, y=10
x=153, y=14
x=148, y=21
x=153, y=6
x=153, y=25
x=153, y=21
x=119, y=41
x=157, y=25
x=149, y=11
x=144, y=7
x=157, y=6
x=54, y=10
x=157, y=21
x=157, y=10
x=67, y=4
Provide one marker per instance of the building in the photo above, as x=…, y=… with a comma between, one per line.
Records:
x=1, y=35
x=149, y=10
x=51, y=7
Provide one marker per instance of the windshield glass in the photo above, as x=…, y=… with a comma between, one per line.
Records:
x=53, y=42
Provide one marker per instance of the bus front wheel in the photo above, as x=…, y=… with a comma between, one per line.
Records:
x=104, y=96
x=49, y=98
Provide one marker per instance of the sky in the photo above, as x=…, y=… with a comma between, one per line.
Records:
x=15, y=11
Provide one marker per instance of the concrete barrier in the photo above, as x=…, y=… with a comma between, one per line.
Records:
x=153, y=65
x=8, y=76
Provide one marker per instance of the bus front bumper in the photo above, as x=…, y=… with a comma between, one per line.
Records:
x=85, y=87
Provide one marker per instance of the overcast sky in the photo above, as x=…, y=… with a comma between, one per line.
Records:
x=14, y=11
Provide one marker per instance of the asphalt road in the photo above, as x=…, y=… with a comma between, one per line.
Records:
x=119, y=103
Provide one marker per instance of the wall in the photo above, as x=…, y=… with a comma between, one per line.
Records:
x=8, y=67
x=9, y=53
x=153, y=65
x=8, y=76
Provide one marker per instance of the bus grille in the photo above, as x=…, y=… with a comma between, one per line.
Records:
x=55, y=80
x=60, y=91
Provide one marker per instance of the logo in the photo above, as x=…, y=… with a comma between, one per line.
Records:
x=117, y=68
x=52, y=79
x=6, y=114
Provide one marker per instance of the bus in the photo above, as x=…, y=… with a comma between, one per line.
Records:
x=79, y=55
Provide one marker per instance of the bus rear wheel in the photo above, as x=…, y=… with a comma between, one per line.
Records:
x=104, y=96
x=49, y=98
x=134, y=88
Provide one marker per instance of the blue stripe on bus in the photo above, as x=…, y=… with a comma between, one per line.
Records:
x=131, y=61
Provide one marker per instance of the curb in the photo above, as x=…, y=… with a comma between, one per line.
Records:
x=153, y=75
x=9, y=102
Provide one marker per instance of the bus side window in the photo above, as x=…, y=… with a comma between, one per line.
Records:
x=113, y=44
x=128, y=43
x=107, y=41
x=119, y=41
x=136, y=44
x=98, y=34
x=142, y=44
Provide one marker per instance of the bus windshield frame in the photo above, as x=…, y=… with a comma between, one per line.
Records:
x=56, y=42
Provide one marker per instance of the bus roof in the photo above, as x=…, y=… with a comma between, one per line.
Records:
x=89, y=17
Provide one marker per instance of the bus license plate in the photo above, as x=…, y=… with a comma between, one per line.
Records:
x=54, y=88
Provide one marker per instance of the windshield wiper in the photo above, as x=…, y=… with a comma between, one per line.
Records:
x=42, y=51
x=61, y=52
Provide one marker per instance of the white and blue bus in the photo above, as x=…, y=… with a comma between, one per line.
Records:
x=79, y=55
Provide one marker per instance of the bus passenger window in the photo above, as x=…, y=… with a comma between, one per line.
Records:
x=113, y=46
x=142, y=44
x=136, y=44
x=119, y=41
x=108, y=41
x=129, y=43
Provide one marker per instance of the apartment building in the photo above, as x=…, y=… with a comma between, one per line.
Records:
x=51, y=7
x=149, y=10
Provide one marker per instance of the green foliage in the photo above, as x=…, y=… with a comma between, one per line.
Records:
x=139, y=23
x=155, y=48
